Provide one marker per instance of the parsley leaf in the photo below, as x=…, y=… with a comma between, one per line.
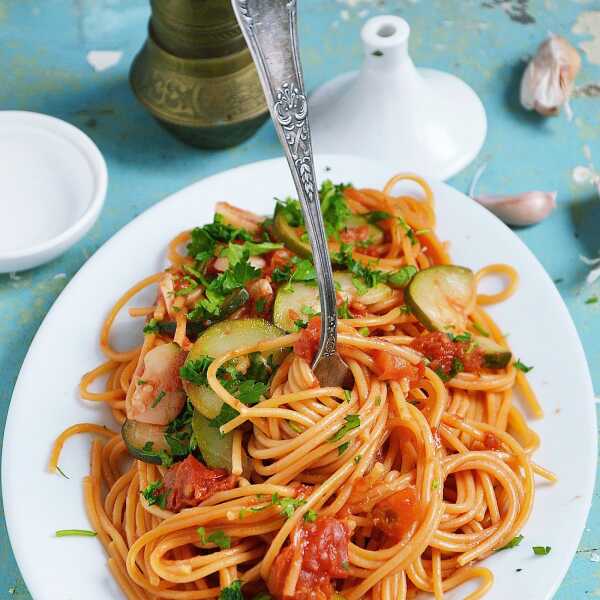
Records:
x=401, y=278
x=292, y=211
x=376, y=216
x=522, y=367
x=217, y=537
x=370, y=277
x=195, y=371
x=204, y=239
x=343, y=448
x=333, y=207
x=158, y=398
x=226, y=414
x=232, y=592
x=352, y=422
x=512, y=544
x=310, y=516
x=343, y=311
x=151, y=326
x=288, y=505
x=541, y=550
x=153, y=494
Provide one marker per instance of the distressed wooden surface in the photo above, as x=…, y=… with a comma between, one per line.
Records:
x=43, y=44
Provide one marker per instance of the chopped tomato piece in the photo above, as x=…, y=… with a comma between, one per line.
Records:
x=490, y=441
x=322, y=548
x=307, y=344
x=392, y=366
x=444, y=353
x=278, y=258
x=355, y=234
x=189, y=482
x=396, y=515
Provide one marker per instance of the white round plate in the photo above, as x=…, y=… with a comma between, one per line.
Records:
x=45, y=399
x=53, y=181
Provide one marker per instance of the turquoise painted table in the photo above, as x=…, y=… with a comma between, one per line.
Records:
x=43, y=44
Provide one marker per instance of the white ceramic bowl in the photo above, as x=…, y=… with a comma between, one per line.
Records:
x=53, y=183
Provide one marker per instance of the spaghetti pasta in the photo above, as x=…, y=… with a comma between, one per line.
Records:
x=270, y=485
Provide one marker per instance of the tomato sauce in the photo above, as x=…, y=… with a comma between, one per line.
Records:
x=395, y=515
x=307, y=344
x=189, y=482
x=276, y=259
x=393, y=367
x=444, y=353
x=491, y=442
x=322, y=548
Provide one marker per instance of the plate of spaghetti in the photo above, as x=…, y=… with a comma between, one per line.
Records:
x=167, y=438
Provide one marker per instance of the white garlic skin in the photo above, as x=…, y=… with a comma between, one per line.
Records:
x=521, y=210
x=548, y=80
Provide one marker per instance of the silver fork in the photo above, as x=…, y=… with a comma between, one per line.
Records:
x=270, y=29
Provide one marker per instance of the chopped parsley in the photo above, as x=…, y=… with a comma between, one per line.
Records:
x=352, y=422
x=363, y=276
x=232, y=592
x=522, y=367
x=300, y=269
x=260, y=305
x=456, y=368
x=376, y=216
x=343, y=311
x=343, y=448
x=463, y=337
x=592, y=300
x=310, y=516
x=153, y=494
x=292, y=211
x=357, y=458
x=217, y=537
x=402, y=277
x=158, y=398
x=195, y=371
x=334, y=207
x=287, y=505
x=203, y=240
x=364, y=331
x=75, y=532
x=410, y=234
x=151, y=326
x=512, y=544
x=541, y=550
x=347, y=395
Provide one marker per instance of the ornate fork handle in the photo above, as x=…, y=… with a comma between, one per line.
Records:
x=270, y=29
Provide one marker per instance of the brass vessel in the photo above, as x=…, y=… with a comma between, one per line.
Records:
x=196, y=76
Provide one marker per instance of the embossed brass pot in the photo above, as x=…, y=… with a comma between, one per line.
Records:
x=208, y=94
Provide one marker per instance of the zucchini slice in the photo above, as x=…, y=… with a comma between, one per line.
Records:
x=303, y=299
x=144, y=441
x=215, y=448
x=288, y=235
x=495, y=356
x=219, y=339
x=442, y=297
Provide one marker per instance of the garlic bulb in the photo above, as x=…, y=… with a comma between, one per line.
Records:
x=548, y=80
x=528, y=208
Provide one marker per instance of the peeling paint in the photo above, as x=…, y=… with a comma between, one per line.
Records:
x=517, y=10
x=588, y=23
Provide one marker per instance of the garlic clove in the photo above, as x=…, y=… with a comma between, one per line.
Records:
x=528, y=208
x=548, y=80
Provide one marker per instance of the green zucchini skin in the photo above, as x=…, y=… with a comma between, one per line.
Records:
x=428, y=292
x=495, y=356
x=287, y=235
x=136, y=435
x=221, y=338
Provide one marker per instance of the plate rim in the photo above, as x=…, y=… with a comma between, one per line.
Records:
x=589, y=484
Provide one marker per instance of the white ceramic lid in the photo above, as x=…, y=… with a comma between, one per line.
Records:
x=422, y=120
x=53, y=183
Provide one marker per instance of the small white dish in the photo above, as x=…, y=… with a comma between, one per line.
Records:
x=53, y=180
x=428, y=121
